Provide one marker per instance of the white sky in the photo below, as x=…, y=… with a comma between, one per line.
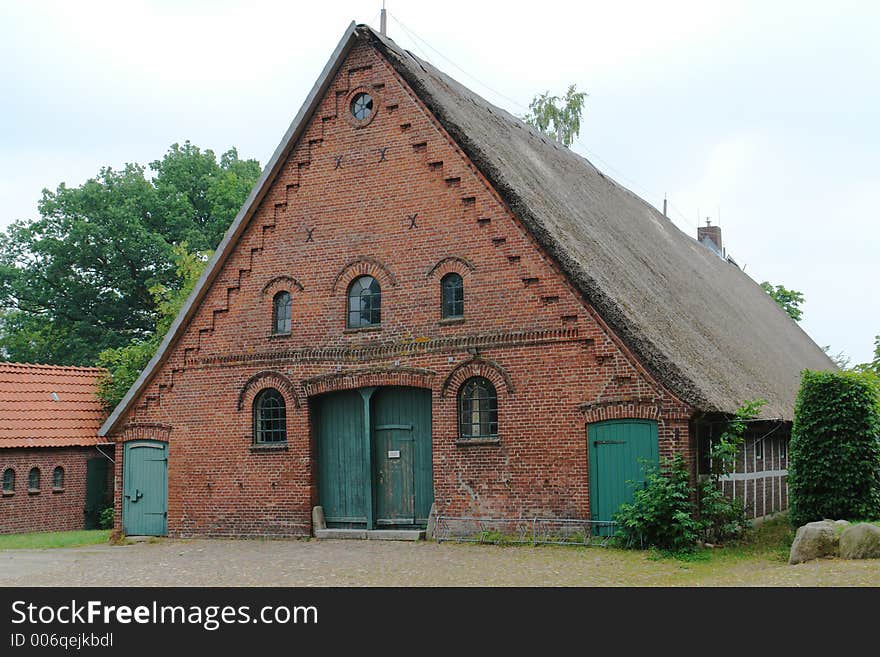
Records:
x=764, y=114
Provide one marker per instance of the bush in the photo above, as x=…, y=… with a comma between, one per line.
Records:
x=721, y=518
x=105, y=519
x=661, y=514
x=835, y=447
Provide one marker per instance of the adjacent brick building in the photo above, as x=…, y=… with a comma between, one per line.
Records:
x=53, y=473
x=426, y=304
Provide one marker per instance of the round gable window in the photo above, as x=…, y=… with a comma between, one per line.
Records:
x=362, y=106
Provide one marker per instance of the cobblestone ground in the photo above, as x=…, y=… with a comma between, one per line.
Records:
x=369, y=563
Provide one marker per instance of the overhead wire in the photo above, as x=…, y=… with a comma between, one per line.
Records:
x=417, y=40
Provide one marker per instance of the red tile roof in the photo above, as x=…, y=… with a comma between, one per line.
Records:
x=30, y=416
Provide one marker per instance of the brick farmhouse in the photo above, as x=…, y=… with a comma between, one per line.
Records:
x=427, y=307
x=55, y=475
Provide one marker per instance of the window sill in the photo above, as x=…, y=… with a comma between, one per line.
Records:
x=451, y=320
x=57, y=490
x=8, y=493
x=281, y=447
x=469, y=442
x=362, y=329
x=279, y=336
x=33, y=491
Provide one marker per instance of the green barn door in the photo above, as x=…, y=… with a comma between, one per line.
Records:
x=341, y=453
x=96, y=490
x=401, y=427
x=145, y=488
x=620, y=453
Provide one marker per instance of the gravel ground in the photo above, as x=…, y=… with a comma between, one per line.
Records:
x=371, y=563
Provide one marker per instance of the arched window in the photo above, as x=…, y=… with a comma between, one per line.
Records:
x=270, y=417
x=452, y=293
x=281, y=309
x=58, y=477
x=9, y=480
x=477, y=409
x=34, y=479
x=364, y=302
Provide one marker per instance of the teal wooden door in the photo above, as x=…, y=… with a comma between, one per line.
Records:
x=145, y=488
x=342, y=461
x=402, y=459
x=96, y=490
x=620, y=453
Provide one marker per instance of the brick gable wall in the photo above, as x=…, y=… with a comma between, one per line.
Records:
x=395, y=199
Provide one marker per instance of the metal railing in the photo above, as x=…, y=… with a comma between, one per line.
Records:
x=523, y=531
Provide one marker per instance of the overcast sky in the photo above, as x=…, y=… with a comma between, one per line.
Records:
x=764, y=116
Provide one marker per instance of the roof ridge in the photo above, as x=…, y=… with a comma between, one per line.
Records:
x=50, y=366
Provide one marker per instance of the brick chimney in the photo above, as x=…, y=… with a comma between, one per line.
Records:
x=710, y=236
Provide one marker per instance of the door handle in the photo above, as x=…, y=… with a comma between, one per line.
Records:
x=134, y=498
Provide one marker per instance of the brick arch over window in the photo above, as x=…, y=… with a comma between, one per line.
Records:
x=477, y=367
x=267, y=379
x=281, y=284
x=451, y=264
x=362, y=267
x=367, y=377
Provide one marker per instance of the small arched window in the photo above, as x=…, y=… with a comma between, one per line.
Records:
x=281, y=311
x=477, y=409
x=270, y=417
x=58, y=477
x=452, y=296
x=34, y=479
x=364, y=303
x=9, y=480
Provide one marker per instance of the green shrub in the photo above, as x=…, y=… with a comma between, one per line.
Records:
x=721, y=518
x=105, y=518
x=661, y=514
x=835, y=447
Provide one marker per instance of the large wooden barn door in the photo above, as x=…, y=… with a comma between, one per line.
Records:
x=620, y=452
x=341, y=453
x=401, y=422
x=145, y=488
x=374, y=456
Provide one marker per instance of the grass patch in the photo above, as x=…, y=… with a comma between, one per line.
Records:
x=41, y=540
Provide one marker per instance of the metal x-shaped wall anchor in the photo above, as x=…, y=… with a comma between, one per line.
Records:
x=412, y=220
x=338, y=159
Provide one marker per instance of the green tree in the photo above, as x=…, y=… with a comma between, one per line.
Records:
x=788, y=300
x=834, y=468
x=78, y=280
x=721, y=517
x=124, y=364
x=558, y=117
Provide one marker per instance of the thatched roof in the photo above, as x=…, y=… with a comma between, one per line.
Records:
x=697, y=322
x=700, y=325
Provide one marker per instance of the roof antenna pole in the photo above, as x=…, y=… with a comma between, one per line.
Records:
x=382, y=21
x=664, y=205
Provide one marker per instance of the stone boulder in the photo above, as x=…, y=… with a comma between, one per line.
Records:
x=860, y=541
x=815, y=540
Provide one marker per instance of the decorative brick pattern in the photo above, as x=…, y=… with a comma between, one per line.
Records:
x=555, y=364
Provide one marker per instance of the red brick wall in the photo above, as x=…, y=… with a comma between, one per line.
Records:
x=398, y=200
x=48, y=509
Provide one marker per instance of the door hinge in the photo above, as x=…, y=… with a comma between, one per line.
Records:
x=609, y=442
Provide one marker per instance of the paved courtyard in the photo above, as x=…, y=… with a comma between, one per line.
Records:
x=368, y=563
